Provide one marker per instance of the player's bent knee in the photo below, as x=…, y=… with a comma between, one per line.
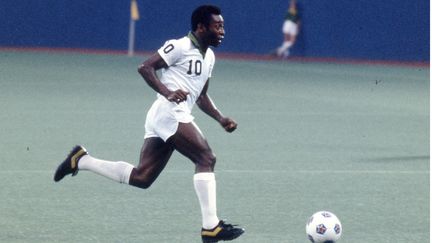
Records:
x=140, y=182
x=207, y=160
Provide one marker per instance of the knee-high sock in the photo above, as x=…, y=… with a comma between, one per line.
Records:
x=118, y=171
x=284, y=47
x=205, y=188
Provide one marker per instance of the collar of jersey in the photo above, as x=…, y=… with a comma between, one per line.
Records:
x=196, y=43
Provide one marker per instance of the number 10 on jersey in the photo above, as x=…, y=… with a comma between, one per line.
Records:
x=194, y=67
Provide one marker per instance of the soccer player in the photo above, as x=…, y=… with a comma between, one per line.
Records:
x=290, y=30
x=186, y=65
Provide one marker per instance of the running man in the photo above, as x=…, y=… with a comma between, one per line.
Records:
x=186, y=65
x=290, y=30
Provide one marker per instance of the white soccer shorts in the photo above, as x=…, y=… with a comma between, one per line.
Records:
x=289, y=27
x=163, y=118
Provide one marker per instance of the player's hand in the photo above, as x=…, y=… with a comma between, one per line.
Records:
x=177, y=96
x=228, y=124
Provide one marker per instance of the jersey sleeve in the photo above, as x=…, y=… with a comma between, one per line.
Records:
x=171, y=52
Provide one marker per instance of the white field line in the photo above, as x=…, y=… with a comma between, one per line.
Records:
x=255, y=171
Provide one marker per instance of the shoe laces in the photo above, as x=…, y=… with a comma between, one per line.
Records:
x=228, y=226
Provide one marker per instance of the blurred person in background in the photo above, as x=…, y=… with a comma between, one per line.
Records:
x=290, y=29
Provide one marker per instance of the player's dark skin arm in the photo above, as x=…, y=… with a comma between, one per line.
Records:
x=206, y=104
x=148, y=72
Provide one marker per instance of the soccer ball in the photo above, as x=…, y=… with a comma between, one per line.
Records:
x=323, y=227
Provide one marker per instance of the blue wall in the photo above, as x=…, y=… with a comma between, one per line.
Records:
x=360, y=29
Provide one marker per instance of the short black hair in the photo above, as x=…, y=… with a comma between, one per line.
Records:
x=202, y=15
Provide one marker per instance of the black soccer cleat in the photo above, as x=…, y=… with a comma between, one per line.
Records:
x=70, y=164
x=222, y=231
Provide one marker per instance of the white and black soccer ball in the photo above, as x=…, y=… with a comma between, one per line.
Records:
x=323, y=227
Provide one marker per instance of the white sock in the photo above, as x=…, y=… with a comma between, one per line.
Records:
x=285, y=46
x=205, y=188
x=118, y=171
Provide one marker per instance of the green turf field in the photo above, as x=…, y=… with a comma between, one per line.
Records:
x=351, y=139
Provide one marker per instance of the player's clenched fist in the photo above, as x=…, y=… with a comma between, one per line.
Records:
x=228, y=124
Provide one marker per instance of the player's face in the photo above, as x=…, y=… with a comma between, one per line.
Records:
x=215, y=31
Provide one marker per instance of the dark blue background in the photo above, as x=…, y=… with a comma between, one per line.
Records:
x=360, y=29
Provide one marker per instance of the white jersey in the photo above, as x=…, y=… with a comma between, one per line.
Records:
x=188, y=68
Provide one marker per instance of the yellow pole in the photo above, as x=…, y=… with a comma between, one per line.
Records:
x=134, y=16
